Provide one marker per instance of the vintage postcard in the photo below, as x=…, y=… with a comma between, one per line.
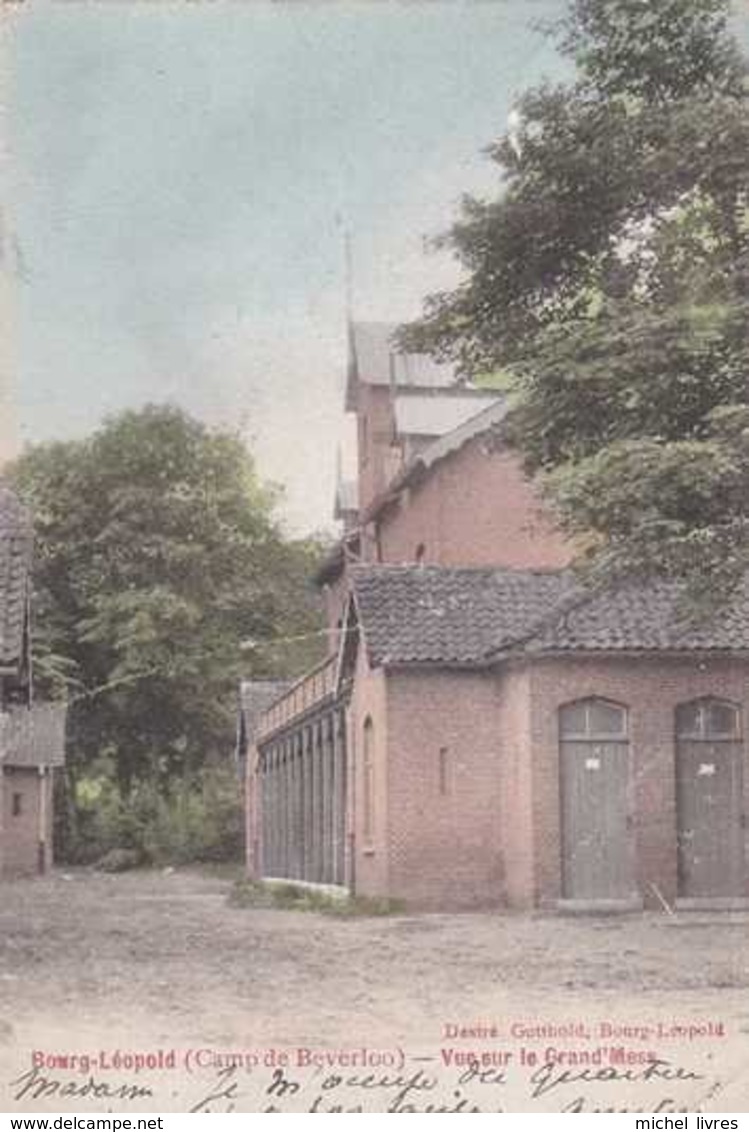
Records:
x=374, y=632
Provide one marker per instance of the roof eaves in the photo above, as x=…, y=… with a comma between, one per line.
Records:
x=630, y=652
x=423, y=462
x=453, y=665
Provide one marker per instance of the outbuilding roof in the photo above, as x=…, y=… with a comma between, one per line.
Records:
x=33, y=737
x=449, y=615
x=472, y=617
x=15, y=565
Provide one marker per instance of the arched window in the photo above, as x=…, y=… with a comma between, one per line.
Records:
x=593, y=720
x=708, y=719
x=368, y=784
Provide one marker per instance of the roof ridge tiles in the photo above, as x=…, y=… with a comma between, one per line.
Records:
x=437, y=567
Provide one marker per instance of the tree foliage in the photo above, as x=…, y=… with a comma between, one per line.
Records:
x=611, y=275
x=157, y=560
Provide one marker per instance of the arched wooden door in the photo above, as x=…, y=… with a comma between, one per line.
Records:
x=709, y=798
x=598, y=860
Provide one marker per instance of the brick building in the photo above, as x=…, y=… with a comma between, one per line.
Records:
x=31, y=735
x=484, y=732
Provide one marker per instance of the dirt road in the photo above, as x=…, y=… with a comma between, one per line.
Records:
x=161, y=961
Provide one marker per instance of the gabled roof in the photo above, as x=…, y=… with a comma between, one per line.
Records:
x=450, y=615
x=33, y=737
x=374, y=359
x=481, y=422
x=346, y=498
x=15, y=566
x=434, y=413
x=474, y=617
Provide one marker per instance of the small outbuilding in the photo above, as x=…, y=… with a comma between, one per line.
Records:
x=32, y=735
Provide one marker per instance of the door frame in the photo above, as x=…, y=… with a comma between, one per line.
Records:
x=577, y=724
x=694, y=723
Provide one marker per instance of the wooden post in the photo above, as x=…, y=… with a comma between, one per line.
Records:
x=276, y=809
x=308, y=788
x=320, y=807
x=290, y=806
x=251, y=813
x=350, y=836
x=297, y=831
x=42, y=864
x=328, y=788
x=269, y=816
x=339, y=749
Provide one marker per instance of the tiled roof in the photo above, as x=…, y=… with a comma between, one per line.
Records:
x=651, y=617
x=15, y=563
x=33, y=736
x=435, y=614
x=451, y=616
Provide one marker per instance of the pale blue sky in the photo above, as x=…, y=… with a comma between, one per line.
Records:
x=182, y=177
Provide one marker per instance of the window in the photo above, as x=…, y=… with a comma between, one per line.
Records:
x=368, y=780
x=593, y=719
x=444, y=771
x=16, y=807
x=708, y=719
x=363, y=439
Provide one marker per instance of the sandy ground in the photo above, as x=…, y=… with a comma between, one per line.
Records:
x=149, y=962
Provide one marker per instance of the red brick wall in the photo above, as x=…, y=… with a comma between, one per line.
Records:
x=515, y=775
x=378, y=459
x=20, y=834
x=651, y=689
x=368, y=858
x=476, y=508
x=445, y=847
x=494, y=834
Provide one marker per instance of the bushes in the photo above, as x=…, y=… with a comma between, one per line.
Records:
x=196, y=821
x=290, y=897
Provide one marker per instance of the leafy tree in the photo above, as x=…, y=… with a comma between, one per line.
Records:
x=157, y=558
x=611, y=276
